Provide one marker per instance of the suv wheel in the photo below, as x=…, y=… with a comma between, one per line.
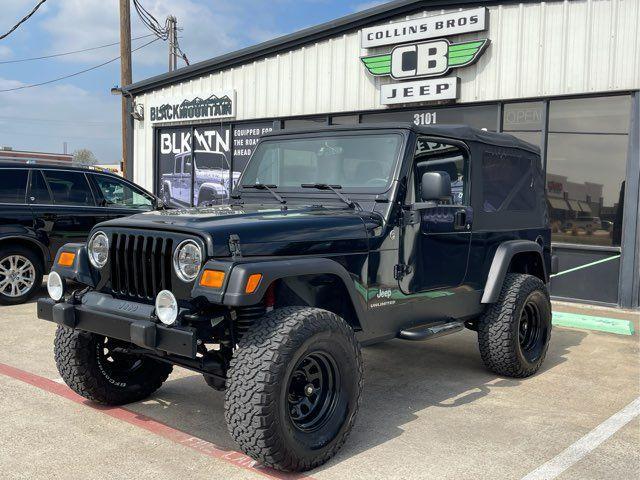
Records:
x=294, y=388
x=93, y=367
x=514, y=332
x=20, y=275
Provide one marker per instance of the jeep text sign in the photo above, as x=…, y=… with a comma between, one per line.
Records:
x=221, y=105
x=454, y=23
x=419, y=91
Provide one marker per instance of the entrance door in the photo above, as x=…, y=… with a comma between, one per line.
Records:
x=436, y=240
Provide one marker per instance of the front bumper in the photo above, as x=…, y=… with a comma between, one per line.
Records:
x=104, y=315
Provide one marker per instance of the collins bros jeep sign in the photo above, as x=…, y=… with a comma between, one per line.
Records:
x=424, y=59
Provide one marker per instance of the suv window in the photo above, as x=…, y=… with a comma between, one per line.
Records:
x=507, y=183
x=432, y=156
x=13, y=185
x=69, y=188
x=38, y=191
x=119, y=194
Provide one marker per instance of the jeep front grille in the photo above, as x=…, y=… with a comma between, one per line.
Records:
x=140, y=265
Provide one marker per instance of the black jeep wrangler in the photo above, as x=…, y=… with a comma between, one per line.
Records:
x=336, y=237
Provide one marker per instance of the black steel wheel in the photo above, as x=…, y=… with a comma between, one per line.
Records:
x=293, y=388
x=97, y=368
x=313, y=391
x=514, y=332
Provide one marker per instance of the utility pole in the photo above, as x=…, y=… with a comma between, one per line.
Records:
x=173, y=42
x=125, y=79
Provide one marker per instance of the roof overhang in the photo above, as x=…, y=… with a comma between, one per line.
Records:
x=380, y=13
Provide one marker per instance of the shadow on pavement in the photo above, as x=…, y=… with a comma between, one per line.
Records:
x=401, y=379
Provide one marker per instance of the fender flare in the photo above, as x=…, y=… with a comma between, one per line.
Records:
x=500, y=265
x=236, y=276
x=219, y=191
x=46, y=260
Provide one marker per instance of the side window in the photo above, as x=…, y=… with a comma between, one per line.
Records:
x=178, y=165
x=13, y=185
x=187, y=165
x=507, y=183
x=38, y=191
x=432, y=156
x=69, y=188
x=119, y=194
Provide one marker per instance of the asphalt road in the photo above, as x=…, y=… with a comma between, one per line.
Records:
x=430, y=410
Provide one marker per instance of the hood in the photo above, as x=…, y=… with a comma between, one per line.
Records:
x=265, y=230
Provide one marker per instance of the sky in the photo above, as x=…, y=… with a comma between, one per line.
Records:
x=81, y=111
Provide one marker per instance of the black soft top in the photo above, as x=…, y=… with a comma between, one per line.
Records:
x=453, y=131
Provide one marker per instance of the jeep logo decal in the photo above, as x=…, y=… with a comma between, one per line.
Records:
x=428, y=59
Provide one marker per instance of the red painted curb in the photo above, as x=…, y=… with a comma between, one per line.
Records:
x=147, y=423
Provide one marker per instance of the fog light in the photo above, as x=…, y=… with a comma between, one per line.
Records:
x=55, y=286
x=166, y=307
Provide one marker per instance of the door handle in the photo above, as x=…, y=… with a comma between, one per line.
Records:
x=460, y=220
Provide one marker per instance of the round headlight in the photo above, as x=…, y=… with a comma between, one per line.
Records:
x=98, y=249
x=55, y=286
x=166, y=307
x=187, y=260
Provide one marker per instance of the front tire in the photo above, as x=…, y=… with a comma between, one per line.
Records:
x=294, y=388
x=514, y=332
x=92, y=366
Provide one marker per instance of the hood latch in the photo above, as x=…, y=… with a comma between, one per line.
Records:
x=234, y=246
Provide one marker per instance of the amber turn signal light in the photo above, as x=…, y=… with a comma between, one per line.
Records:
x=66, y=259
x=212, y=279
x=253, y=282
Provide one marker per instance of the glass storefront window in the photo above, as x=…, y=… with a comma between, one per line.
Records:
x=596, y=115
x=586, y=168
x=524, y=120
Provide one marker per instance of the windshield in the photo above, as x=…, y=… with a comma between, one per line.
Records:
x=351, y=162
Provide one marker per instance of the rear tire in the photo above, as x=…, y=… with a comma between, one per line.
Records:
x=20, y=274
x=88, y=364
x=294, y=388
x=514, y=332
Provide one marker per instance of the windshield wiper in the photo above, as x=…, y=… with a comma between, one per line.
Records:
x=263, y=186
x=334, y=189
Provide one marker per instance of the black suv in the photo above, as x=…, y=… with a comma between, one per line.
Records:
x=45, y=206
x=336, y=237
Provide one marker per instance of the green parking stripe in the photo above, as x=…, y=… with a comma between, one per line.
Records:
x=586, y=265
x=589, y=322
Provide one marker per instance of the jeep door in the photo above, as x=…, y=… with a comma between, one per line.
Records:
x=436, y=236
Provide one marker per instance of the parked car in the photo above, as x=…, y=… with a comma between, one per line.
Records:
x=46, y=206
x=211, y=182
x=337, y=237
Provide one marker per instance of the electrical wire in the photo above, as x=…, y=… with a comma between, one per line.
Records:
x=70, y=53
x=24, y=19
x=76, y=73
x=162, y=32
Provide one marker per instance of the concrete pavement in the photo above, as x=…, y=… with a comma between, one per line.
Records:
x=430, y=410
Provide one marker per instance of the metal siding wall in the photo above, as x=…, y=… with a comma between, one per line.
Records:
x=537, y=50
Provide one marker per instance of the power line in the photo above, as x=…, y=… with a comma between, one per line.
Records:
x=76, y=73
x=70, y=53
x=24, y=19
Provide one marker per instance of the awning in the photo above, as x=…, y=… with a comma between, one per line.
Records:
x=585, y=207
x=575, y=206
x=558, y=203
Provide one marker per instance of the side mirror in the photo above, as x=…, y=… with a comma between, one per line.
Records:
x=158, y=204
x=435, y=186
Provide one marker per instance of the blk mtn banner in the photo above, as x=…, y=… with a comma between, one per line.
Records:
x=215, y=106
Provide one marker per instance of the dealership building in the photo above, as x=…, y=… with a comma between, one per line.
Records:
x=563, y=75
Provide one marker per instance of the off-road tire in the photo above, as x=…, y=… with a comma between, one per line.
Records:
x=257, y=411
x=498, y=327
x=36, y=261
x=77, y=359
